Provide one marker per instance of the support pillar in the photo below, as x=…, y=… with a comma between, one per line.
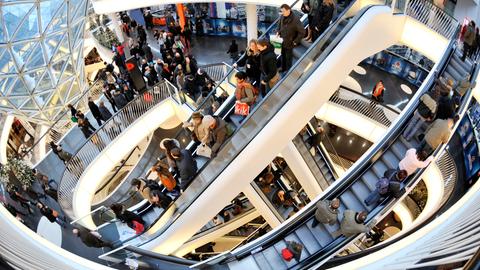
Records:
x=261, y=206
x=116, y=26
x=252, y=21
x=302, y=172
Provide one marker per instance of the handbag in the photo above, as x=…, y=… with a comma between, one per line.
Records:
x=138, y=227
x=74, y=119
x=147, y=97
x=204, y=150
x=242, y=108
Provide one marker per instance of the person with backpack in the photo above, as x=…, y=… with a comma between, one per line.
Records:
x=389, y=183
x=144, y=187
x=414, y=160
x=165, y=177
x=425, y=112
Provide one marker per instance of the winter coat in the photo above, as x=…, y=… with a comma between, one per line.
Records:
x=105, y=113
x=268, y=63
x=252, y=63
x=437, y=133
x=313, y=6
x=218, y=134
x=128, y=217
x=410, y=162
x=324, y=214
x=446, y=108
x=244, y=93
x=322, y=18
x=349, y=225
x=167, y=181
x=187, y=167
x=469, y=36
x=164, y=200
x=120, y=100
x=291, y=30
x=94, y=109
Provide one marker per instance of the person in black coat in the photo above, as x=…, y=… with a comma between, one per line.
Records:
x=95, y=111
x=148, y=20
x=159, y=199
x=186, y=165
x=201, y=79
x=119, y=62
x=148, y=52
x=91, y=238
x=251, y=61
x=446, y=107
x=120, y=99
x=321, y=20
x=104, y=112
x=268, y=66
x=126, y=216
x=142, y=35
x=233, y=50
x=291, y=30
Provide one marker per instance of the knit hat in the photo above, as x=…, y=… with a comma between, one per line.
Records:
x=197, y=115
x=208, y=120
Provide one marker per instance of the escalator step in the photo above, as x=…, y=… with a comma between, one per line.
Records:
x=390, y=159
x=369, y=179
x=399, y=150
x=379, y=168
x=305, y=252
x=261, y=261
x=308, y=240
x=320, y=233
x=278, y=247
x=351, y=201
x=274, y=258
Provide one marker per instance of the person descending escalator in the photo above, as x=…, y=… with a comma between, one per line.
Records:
x=268, y=66
x=388, y=184
x=131, y=219
x=327, y=212
x=353, y=223
x=290, y=29
x=186, y=165
x=91, y=238
x=321, y=19
x=157, y=198
x=378, y=91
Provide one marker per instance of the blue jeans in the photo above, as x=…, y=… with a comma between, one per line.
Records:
x=373, y=197
x=414, y=125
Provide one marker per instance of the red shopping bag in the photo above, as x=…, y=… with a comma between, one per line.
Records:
x=242, y=108
x=138, y=227
x=287, y=254
x=147, y=97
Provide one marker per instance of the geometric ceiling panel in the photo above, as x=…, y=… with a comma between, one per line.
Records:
x=41, y=56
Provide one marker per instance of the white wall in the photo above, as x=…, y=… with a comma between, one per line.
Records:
x=163, y=115
x=467, y=8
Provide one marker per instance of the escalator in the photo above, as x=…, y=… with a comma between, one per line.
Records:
x=264, y=111
x=318, y=242
x=318, y=163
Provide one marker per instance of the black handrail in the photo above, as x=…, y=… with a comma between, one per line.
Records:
x=360, y=94
x=161, y=257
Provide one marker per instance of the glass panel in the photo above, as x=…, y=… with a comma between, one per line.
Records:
x=51, y=42
x=32, y=78
x=16, y=101
x=48, y=10
x=29, y=28
x=42, y=98
x=29, y=105
x=59, y=21
x=44, y=84
x=5, y=84
x=6, y=62
x=13, y=15
x=21, y=52
x=62, y=50
x=57, y=69
x=19, y=89
x=36, y=59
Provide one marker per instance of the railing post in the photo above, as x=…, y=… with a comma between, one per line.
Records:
x=393, y=4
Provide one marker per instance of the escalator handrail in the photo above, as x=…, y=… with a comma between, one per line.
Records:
x=381, y=104
x=322, y=55
x=354, y=174
x=158, y=256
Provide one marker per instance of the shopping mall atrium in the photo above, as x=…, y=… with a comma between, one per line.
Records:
x=243, y=135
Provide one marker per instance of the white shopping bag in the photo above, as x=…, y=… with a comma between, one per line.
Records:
x=204, y=150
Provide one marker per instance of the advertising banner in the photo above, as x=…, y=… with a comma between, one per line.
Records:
x=222, y=27
x=239, y=28
x=469, y=144
x=209, y=26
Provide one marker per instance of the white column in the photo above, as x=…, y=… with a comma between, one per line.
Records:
x=252, y=21
x=261, y=206
x=302, y=172
x=116, y=26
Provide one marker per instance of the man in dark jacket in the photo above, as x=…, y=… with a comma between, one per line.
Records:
x=118, y=60
x=95, y=111
x=91, y=238
x=104, y=112
x=291, y=30
x=268, y=66
x=218, y=132
x=148, y=52
x=159, y=199
x=120, y=99
x=186, y=165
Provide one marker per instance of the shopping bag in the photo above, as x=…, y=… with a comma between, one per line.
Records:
x=242, y=108
x=287, y=254
x=138, y=227
x=147, y=97
x=204, y=150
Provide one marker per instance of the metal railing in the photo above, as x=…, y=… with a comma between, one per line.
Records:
x=448, y=169
x=357, y=102
x=432, y=16
x=104, y=135
x=62, y=125
x=216, y=71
